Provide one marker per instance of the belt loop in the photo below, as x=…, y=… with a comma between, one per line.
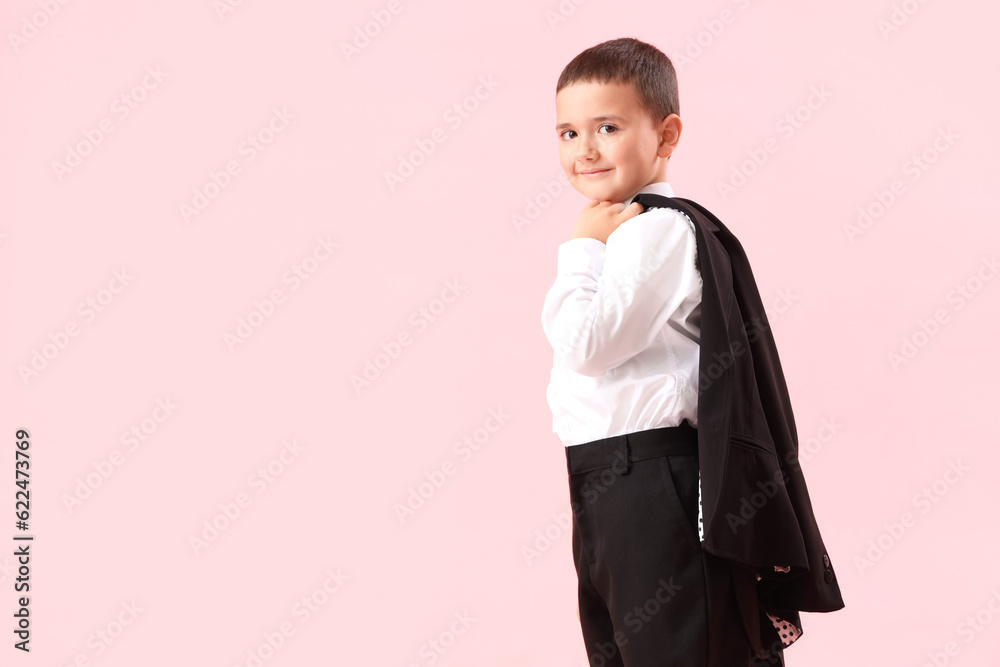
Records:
x=628, y=463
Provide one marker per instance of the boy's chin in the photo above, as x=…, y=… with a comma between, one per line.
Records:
x=600, y=194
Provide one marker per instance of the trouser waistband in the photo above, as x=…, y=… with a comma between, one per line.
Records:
x=621, y=450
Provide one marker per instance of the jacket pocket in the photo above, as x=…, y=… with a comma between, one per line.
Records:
x=752, y=444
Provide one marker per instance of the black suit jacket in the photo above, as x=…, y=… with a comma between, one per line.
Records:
x=755, y=504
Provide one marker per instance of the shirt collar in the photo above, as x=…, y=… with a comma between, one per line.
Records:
x=660, y=188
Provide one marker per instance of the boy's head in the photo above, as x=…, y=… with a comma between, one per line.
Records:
x=617, y=118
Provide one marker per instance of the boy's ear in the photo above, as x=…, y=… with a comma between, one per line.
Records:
x=670, y=134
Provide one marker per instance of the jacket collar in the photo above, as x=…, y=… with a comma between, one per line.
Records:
x=660, y=188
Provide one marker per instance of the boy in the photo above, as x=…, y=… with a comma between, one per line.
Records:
x=693, y=537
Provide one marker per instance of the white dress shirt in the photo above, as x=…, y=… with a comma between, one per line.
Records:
x=624, y=321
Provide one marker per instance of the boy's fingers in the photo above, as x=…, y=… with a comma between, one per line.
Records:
x=632, y=210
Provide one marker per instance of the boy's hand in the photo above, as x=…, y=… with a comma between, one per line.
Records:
x=599, y=218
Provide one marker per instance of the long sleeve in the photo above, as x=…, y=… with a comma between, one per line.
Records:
x=609, y=302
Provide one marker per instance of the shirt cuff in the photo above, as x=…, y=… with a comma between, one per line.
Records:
x=581, y=255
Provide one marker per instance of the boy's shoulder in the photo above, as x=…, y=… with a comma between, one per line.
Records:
x=655, y=209
x=677, y=208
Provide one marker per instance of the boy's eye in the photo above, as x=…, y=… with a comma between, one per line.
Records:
x=611, y=129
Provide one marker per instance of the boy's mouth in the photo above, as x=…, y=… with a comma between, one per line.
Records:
x=594, y=172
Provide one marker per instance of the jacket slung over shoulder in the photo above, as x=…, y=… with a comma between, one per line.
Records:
x=755, y=503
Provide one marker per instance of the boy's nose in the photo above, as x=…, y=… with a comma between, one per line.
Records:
x=585, y=149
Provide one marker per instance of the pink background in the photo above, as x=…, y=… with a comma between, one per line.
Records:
x=467, y=551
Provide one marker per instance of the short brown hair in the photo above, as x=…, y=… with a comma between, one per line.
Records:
x=627, y=60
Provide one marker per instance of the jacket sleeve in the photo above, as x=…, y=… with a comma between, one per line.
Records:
x=609, y=302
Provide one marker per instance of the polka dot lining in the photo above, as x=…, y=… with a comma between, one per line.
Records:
x=701, y=525
x=788, y=632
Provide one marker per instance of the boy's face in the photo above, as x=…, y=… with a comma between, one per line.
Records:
x=609, y=146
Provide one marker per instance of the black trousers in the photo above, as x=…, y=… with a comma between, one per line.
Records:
x=649, y=595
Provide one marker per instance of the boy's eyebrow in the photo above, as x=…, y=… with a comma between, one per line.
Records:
x=596, y=119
